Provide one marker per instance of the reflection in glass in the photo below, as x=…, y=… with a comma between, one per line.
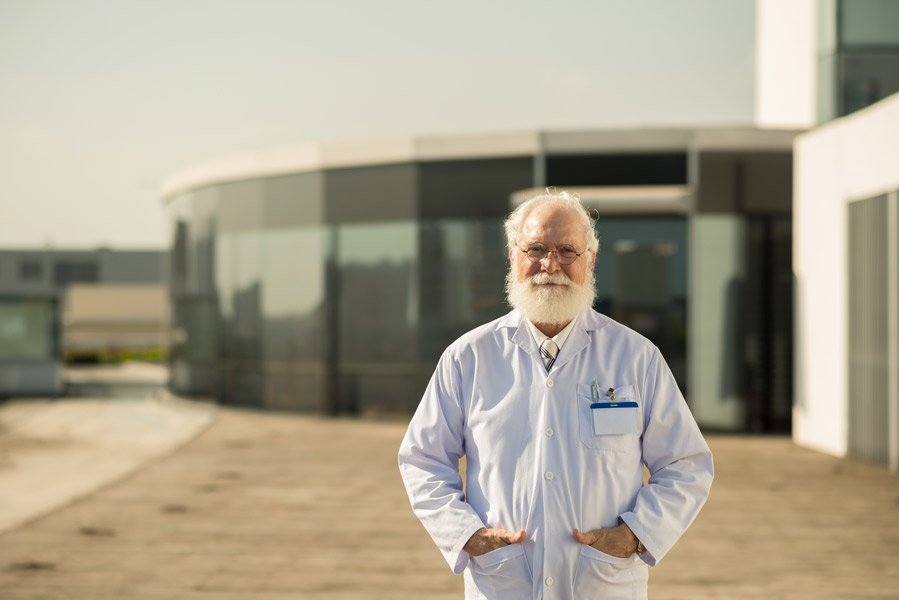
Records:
x=238, y=261
x=377, y=314
x=194, y=350
x=463, y=266
x=294, y=317
x=641, y=273
x=866, y=78
x=27, y=329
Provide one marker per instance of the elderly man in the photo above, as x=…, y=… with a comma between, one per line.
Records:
x=557, y=409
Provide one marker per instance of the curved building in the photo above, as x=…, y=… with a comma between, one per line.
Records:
x=330, y=278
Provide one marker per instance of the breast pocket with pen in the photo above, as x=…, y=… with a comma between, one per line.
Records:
x=610, y=420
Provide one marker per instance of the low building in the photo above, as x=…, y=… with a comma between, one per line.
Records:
x=33, y=283
x=330, y=278
x=847, y=283
x=116, y=321
x=30, y=357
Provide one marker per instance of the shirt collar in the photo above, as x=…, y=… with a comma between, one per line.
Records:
x=559, y=338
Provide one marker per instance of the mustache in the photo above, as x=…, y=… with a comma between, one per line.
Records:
x=549, y=279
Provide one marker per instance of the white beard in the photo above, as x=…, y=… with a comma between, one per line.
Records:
x=547, y=304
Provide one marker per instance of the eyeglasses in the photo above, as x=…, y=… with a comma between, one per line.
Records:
x=565, y=255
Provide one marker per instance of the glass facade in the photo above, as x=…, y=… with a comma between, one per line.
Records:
x=28, y=329
x=29, y=346
x=377, y=314
x=336, y=291
x=641, y=275
x=858, y=54
x=328, y=291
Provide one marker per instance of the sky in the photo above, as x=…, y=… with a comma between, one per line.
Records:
x=101, y=101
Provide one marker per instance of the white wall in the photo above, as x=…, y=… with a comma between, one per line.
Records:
x=785, y=61
x=848, y=159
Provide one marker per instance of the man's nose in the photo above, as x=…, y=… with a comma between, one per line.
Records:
x=550, y=263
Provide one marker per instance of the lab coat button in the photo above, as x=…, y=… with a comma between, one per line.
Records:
x=549, y=581
x=549, y=383
x=549, y=475
x=549, y=432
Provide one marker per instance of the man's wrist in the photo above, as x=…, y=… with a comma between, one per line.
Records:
x=639, y=548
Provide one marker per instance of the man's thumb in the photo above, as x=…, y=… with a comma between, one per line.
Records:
x=515, y=538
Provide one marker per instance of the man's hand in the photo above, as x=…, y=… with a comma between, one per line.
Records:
x=618, y=541
x=484, y=540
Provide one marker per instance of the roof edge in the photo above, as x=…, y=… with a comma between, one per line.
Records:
x=313, y=157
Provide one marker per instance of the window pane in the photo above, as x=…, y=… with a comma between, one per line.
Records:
x=377, y=299
x=641, y=276
x=27, y=329
x=294, y=312
x=463, y=268
x=30, y=270
x=869, y=22
x=867, y=78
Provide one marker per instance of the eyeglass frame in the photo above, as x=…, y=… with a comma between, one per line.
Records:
x=577, y=255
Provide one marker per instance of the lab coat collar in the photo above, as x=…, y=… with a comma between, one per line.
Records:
x=578, y=339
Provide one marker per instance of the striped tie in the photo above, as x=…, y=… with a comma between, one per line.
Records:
x=549, y=351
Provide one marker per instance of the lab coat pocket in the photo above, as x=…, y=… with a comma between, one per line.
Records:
x=504, y=571
x=602, y=429
x=601, y=575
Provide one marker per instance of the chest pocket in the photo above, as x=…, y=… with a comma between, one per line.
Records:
x=620, y=442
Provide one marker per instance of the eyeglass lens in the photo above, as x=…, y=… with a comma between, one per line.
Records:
x=565, y=255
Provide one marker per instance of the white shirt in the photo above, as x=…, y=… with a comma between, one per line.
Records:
x=535, y=461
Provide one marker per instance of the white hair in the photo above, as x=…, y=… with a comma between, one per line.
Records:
x=516, y=219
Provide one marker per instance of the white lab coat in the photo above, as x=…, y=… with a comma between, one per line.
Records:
x=534, y=462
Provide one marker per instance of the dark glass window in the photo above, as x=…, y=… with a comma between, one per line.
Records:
x=641, y=274
x=75, y=271
x=295, y=314
x=739, y=182
x=28, y=329
x=478, y=189
x=376, y=291
x=462, y=272
x=30, y=270
x=293, y=200
x=869, y=22
x=858, y=63
x=617, y=169
x=368, y=194
x=866, y=78
x=766, y=323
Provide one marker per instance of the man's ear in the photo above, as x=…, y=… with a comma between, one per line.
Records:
x=592, y=261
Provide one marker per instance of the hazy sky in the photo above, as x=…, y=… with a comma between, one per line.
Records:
x=101, y=101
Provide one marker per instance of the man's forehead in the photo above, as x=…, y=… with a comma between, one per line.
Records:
x=551, y=222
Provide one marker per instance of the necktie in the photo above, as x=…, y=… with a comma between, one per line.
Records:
x=548, y=350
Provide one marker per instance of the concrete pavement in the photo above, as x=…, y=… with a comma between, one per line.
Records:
x=271, y=506
x=53, y=452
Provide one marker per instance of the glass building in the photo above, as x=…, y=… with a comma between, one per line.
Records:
x=329, y=279
x=858, y=54
x=33, y=287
